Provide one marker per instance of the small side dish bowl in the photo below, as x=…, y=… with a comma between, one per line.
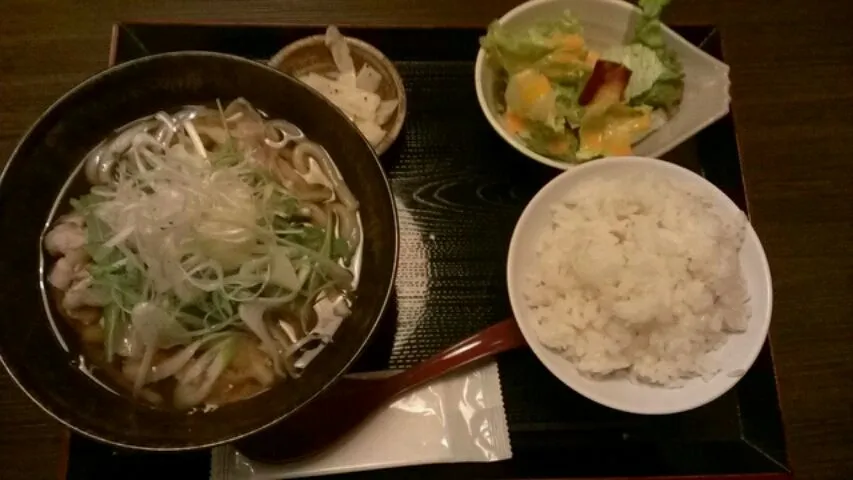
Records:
x=608, y=22
x=311, y=55
x=733, y=358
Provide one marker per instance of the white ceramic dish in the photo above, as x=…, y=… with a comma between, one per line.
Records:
x=735, y=357
x=608, y=22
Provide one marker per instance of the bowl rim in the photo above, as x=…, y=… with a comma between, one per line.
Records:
x=400, y=115
x=537, y=204
x=225, y=439
x=482, y=63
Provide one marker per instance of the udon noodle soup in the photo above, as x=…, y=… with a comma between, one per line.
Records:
x=214, y=254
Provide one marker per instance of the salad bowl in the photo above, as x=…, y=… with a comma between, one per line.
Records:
x=604, y=24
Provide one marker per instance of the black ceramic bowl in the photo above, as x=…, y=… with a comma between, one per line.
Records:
x=51, y=152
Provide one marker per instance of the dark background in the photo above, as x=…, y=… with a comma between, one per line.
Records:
x=792, y=75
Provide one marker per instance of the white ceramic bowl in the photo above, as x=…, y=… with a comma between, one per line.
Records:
x=735, y=357
x=608, y=22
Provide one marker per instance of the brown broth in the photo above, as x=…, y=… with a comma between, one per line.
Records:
x=94, y=363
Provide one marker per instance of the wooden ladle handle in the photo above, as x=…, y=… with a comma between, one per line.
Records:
x=498, y=338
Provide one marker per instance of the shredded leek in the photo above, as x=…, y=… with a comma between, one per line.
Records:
x=194, y=237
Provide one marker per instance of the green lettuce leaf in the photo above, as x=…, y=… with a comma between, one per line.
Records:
x=668, y=89
x=568, y=107
x=666, y=94
x=559, y=70
x=542, y=140
x=646, y=68
x=517, y=49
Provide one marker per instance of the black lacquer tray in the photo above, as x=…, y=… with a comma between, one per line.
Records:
x=459, y=190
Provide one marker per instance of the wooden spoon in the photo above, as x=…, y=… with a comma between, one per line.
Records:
x=352, y=400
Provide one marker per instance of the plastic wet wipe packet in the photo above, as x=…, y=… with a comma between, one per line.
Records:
x=457, y=419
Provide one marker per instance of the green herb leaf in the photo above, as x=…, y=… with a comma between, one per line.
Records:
x=668, y=90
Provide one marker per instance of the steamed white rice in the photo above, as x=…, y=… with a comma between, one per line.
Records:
x=638, y=277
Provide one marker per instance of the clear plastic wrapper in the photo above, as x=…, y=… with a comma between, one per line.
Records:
x=459, y=418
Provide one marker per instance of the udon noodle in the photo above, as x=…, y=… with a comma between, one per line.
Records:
x=215, y=254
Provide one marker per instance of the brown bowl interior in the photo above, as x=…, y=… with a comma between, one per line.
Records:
x=311, y=54
x=50, y=154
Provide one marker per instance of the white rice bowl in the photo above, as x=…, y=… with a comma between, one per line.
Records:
x=640, y=285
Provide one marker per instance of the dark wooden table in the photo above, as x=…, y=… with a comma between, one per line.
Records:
x=792, y=74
